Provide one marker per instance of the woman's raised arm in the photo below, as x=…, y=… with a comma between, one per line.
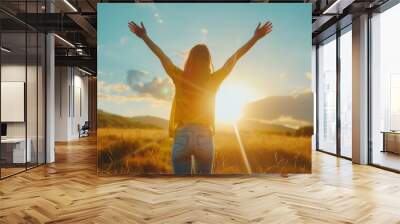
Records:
x=169, y=67
x=260, y=32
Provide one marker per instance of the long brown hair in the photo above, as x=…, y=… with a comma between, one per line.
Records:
x=198, y=62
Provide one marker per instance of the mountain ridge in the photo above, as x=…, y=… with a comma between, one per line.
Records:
x=298, y=107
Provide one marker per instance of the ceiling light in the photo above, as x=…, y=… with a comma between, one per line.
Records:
x=5, y=50
x=84, y=71
x=329, y=9
x=65, y=41
x=70, y=5
x=338, y=6
x=79, y=51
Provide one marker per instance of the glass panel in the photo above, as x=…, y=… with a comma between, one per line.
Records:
x=13, y=87
x=327, y=96
x=41, y=99
x=386, y=89
x=32, y=90
x=31, y=100
x=346, y=94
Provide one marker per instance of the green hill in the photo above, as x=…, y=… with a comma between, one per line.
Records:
x=151, y=120
x=110, y=120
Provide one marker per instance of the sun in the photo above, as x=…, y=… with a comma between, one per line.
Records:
x=229, y=103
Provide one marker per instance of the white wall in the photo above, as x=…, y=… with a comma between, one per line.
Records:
x=71, y=102
x=61, y=103
x=80, y=109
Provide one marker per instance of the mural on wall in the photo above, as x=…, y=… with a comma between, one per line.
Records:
x=204, y=88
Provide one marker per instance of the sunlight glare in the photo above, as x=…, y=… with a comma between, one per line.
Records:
x=230, y=101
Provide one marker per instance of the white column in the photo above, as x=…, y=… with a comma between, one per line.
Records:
x=50, y=99
x=50, y=92
x=360, y=90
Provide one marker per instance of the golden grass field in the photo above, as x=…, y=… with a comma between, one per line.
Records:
x=145, y=151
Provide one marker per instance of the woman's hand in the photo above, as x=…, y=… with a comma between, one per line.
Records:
x=139, y=31
x=262, y=30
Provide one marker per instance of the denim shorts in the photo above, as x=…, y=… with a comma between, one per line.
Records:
x=193, y=150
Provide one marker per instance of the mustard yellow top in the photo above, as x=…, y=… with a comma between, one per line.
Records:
x=194, y=101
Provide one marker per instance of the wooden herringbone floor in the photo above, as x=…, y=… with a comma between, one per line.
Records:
x=70, y=191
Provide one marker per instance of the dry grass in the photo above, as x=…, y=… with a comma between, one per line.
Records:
x=138, y=151
x=125, y=151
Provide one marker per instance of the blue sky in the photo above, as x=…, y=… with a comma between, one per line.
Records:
x=279, y=64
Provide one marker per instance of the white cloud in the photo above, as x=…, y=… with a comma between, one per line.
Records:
x=300, y=91
x=158, y=88
x=123, y=40
x=138, y=87
x=131, y=97
x=156, y=15
x=112, y=88
x=134, y=76
x=204, y=31
x=119, y=99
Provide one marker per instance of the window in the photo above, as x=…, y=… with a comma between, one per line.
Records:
x=327, y=96
x=394, y=102
x=346, y=93
x=385, y=89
